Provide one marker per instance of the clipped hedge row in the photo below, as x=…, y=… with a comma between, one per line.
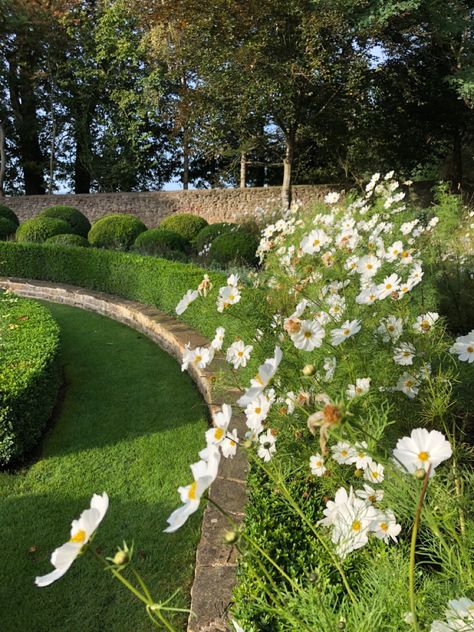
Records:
x=152, y=281
x=29, y=374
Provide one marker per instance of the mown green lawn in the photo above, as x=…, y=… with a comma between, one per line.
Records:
x=129, y=423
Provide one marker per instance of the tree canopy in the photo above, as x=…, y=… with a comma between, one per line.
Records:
x=111, y=95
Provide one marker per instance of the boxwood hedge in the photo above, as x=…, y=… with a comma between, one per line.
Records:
x=29, y=374
x=149, y=280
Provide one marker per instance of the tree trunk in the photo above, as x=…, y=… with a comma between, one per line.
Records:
x=243, y=170
x=22, y=98
x=3, y=159
x=185, y=159
x=82, y=176
x=52, y=156
x=290, y=137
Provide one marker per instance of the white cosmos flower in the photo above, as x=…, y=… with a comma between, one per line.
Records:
x=343, y=453
x=390, y=328
x=314, y=241
x=199, y=357
x=265, y=373
x=360, y=457
x=389, y=285
x=425, y=322
x=408, y=384
x=218, y=339
x=347, y=329
x=370, y=495
x=361, y=387
x=228, y=295
x=404, y=354
x=332, y=197
x=204, y=473
x=351, y=525
x=316, y=464
x=367, y=266
x=309, y=337
x=374, y=472
x=459, y=617
x=185, y=302
x=257, y=411
x=394, y=251
x=385, y=526
x=464, y=347
x=81, y=532
x=238, y=354
x=221, y=422
x=229, y=444
x=367, y=296
x=233, y=280
x=421, y=450
x=267, y=446
x=407, y=227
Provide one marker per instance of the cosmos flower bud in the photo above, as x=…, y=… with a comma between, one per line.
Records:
x=308, y=369
x=420, y=474
x=230, y=537
x=122, y=557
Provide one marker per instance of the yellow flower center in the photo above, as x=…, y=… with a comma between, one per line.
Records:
x=192, y=491
x=406, y=354
x=405, y=253
x=369, y=266
x=469, y=349
x=388, y=286
x=240, y=353
x=346, y=332
x=316, y=242
x=79, y=537
x=231, y=297
x=307, y=334
x=423, y=456
x=258, y=379
x=374, y=474
x=425, y=325
x=218, y=434
x=391, y=327
x=197, y=359
x=356, y=526
x=409, y=383
x=384, y=526
x=258, y=410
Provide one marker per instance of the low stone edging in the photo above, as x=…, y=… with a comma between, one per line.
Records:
x=215, y=571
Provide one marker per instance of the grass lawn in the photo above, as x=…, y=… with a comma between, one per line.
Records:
x=129, y=423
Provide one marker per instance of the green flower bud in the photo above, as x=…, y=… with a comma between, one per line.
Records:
x=308, y=369
x=121, y=558
x=420, y=474
x=230, y=537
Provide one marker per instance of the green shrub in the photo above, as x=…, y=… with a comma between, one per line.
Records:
x=117, y=231
x=7, y=228
x=29, y=374
x=155, y=282
x=207, y=235
x=68, y=240
x=40, y=229
x=78, y=222
x=239, y=247
x=7, y=213
x=159, y=242
x=185, y=224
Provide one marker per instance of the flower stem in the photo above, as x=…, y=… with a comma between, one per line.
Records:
x=414, y=534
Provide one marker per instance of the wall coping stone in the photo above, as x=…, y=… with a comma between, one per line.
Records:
x=215, y=570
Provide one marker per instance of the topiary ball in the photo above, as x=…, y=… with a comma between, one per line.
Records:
x=239, y=247
x=185, y=224
x=117, y=231
x=78, y=222
x=7, y=213
x=40, y=229
x=159, y=242
x=7, y=228
x=207, y=235
x=68, y=240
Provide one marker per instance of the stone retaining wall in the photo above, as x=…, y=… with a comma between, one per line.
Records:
x=215, y=205
x=215, y=572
